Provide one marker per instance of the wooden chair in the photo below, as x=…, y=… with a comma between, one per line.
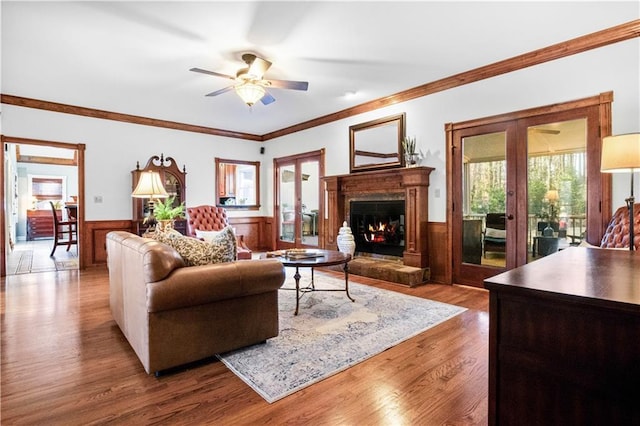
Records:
x=72, y=211
x=212, y=218
x=65, y=233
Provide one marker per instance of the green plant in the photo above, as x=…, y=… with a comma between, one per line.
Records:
x=167, y=211
x=409, y=145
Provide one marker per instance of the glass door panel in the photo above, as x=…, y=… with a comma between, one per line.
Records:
x=287, y=202
x=484, y=180
x=557, y=186
x=310, y=207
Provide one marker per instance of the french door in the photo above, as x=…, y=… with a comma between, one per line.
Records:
x=523, y=189
x=299, y=200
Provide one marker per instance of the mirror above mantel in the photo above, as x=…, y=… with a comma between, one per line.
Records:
x=377, y=144
x=238, y=184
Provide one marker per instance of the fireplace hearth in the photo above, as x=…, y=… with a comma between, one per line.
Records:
x=378, y=226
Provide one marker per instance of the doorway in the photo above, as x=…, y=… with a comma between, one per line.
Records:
x=523, y=188
x=298, y=200
x=38, y=178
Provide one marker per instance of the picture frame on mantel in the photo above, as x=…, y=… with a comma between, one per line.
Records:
x=377, y=144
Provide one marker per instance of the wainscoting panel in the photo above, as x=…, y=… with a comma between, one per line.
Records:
x=94, y=239
x=439, y=253
x=256, y=231
x=251, y=228
x=258, y=234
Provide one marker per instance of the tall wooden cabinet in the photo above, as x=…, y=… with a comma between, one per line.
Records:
x=174, y=181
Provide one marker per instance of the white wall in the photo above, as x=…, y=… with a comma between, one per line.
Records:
x=615, y=68
x=113, y=148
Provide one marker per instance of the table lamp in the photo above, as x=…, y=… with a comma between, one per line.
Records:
x=150, y=186
x=621, y=154
x=552, y=197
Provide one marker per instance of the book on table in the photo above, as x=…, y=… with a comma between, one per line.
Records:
x=295, y=253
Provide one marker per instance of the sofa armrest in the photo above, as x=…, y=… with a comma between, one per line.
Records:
x=199, y=285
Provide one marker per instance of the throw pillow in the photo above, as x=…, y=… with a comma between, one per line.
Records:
x=225, y=244
x=195, y=252
x=207, y=235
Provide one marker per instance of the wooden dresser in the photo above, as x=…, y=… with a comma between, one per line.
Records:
x=40, y=224
x=564, y=340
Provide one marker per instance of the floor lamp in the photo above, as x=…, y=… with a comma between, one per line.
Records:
x=621, y=154
x=150, y=186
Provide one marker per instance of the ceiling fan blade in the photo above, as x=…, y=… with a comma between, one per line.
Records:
x=267, y=99
x=220, y=92
x=216, y=74
x=258, y=67
x=287, y=84
x=546, y=131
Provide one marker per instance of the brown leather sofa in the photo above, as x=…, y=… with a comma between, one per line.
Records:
x=172, y=314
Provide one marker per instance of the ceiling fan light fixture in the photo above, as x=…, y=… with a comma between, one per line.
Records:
x=250, y=93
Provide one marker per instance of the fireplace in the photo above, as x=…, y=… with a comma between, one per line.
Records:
x=378, y=226
x=409, y=184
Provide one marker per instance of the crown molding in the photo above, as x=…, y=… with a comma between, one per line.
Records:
x=116, y=116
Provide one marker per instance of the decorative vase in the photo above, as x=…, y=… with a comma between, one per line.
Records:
x=164, y=225
x=411, y=160
x=345, y=240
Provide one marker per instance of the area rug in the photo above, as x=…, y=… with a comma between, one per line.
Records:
x=331, y=334
x=25, y=262
x=66, y=265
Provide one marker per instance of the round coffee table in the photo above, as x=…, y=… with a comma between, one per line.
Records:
x=321, y=258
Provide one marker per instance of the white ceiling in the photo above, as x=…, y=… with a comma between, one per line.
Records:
x=134, y=57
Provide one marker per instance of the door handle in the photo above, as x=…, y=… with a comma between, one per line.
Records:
x=510, y=217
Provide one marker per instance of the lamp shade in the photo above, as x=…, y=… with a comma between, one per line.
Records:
x=250, y=93
x=150, y=186
x=552, y=195
x=620, y=153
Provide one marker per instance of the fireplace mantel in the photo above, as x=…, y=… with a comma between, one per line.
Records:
x=410, y=184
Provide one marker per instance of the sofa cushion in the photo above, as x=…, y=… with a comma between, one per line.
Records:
x=221, y=248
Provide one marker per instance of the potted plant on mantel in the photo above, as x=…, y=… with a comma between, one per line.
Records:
x=410, y=155
x=166, y=213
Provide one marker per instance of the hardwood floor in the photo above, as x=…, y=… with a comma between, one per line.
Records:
x=65, y=361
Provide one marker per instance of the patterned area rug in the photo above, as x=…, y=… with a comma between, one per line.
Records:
x=331, y=334
x=66, y=265
x=25, y=262
x=28, y=262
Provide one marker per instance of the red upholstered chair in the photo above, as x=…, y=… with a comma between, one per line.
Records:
x=617, y=233
x=211, y=218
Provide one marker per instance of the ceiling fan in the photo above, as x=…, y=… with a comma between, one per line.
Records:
x=249, y=82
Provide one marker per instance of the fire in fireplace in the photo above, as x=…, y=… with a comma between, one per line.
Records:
x=378, y=226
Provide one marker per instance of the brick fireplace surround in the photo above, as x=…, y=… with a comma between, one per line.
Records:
x=410, y=184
